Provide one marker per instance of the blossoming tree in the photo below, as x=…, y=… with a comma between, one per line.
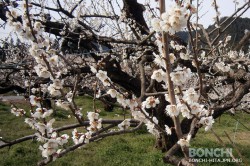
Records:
x=126, y=54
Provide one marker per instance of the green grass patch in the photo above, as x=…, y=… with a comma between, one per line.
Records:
x=122, y=150
x=134, y=149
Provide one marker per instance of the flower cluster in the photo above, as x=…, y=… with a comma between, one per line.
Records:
x=168, y=130
x=51, y=147
x=150, y=102
x=222, y=67
x=42, y=71
x=137, y=112
x=207, y=122
x=175, y=46
x=159, y=75
x=184, y=142
x=124, y=125
x=35, y=101
x=17, y=111
x=172, y=21
x=63, y=104
x=79, y=138
x=102, y=75
x=180, y=75
x=39, y=120
x=41, y=113
x=54, y=89
x=48, y=64
x=172, y=110
x=112, y=92
x=189, y=107
x=45, y=132
x=159, y=60
x=151, y=126
x=143, y=115
x=126, y=103
x=94, y=121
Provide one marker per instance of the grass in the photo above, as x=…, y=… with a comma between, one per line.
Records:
x=132, y=149
x=119, y=150
x=227, y=123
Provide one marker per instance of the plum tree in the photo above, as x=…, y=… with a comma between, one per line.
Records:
x=125, y=54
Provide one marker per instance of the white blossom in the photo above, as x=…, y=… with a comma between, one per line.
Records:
x=54, y=89
x=167, y=98
x=17, y=111
x=172, y=58
x=168, y=130
x=138, y=115
x=132, y=104
x=93, y=69
x=63, y=104
x=79, y=138
x=92, y=116
x=159, y=60
x=45, y=128
x=63, y=139
x=124, y=125
x=151, y=102
x=53, y=60
x=174, y=20
x=49, y=148
x=37, y=25
x=41, y=127
x=184, y=111
x=151, y=129
x=69, y=96
x=184, y=56
x=35, y=101
x=180, y=75
x=190, y=96
x=30, y=122
x=159, y=75
x=17, y=26
x=95, y=125
x=41, y=113
x=222, y=67
x=175, y=46
x=207, y=121
x=183, y=142
x=196, y=108
x=155, y=22
x=121, y=100
x=42, y=71
x=102, y=75
x=172, y=110
x=112, y=93
x=228, y=38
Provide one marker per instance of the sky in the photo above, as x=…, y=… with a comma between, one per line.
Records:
x=206, y=11
x=226, y=7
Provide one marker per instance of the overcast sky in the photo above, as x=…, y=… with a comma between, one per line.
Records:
x=227, y=7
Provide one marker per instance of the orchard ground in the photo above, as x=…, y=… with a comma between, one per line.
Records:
x=125, y=150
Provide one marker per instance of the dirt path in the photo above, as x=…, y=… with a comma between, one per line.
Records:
x=12, y=99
